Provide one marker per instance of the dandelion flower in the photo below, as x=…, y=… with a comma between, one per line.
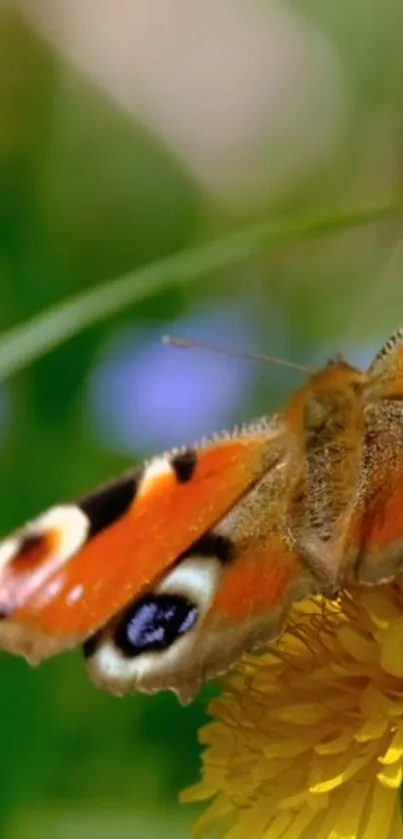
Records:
x=307, y=739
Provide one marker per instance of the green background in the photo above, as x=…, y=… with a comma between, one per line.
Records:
x=86, y=194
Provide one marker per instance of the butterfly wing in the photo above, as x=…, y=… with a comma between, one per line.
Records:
x=228, y=593
x=70, y=572
x=378, y=525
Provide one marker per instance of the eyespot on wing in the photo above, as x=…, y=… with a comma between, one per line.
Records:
x=125, y=559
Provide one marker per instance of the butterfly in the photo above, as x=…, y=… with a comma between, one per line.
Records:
x=166, y=576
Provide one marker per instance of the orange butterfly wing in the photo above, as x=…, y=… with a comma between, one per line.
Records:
x=76, y=597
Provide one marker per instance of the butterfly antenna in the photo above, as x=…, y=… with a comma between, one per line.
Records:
x=184, y=344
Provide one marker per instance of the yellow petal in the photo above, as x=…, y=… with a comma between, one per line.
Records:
x=242, y=784
x=396, y=827
x=380, y=607
x=372, y=729
x=301, y=821
x=252, y=822
x=391, y=776
x=329, y=820
x=357, y=645
x=236, y=683
x=342, y=702
x=266, y=769
x=381, y=813
x=216, y=732
x=215, y=777
x=293, y=802
x=336, y=745
x=344, y=816
x=198, y=792
x=219, y=811
x=395, y=750
x=351, y=668
x=262, y=684
x=391, y=641
x=278, y=826
x=374, y=703
x=307, y=714
x=339, y=773
x=287, y=748
x=318, y=802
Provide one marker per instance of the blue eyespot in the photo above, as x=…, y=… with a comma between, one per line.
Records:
x=154, y=623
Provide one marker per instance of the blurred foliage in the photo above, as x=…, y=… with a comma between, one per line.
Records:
x=88, y=194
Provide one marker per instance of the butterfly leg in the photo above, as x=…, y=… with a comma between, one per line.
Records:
x=323, y=558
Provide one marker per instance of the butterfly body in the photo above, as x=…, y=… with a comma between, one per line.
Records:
x=169, y=574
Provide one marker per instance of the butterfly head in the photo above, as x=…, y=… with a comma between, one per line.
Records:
x=328, y=395
x=338, y=391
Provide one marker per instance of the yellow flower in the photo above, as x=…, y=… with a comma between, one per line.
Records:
x=307, y=740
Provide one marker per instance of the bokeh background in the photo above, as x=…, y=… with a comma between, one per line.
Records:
x=129, y=131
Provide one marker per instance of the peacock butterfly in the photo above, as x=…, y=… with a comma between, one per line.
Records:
x=166, y=576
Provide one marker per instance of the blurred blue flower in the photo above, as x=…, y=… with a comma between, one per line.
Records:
x=147, y=396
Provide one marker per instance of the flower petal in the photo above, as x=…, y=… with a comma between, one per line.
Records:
x=357, y=645
x=304, y=714
x=391, y=641
x=329, y=777
x=372, y=729
x=221, y=809
x=308, y=740
x=391, y=776
x=395, y=750
x=336, y=745
x=381, y=813
x=344, y=819
x=381, y=608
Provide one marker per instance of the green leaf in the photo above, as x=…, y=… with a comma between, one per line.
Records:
x=23, y=344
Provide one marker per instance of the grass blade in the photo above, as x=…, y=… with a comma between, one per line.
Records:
x=21, y=345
